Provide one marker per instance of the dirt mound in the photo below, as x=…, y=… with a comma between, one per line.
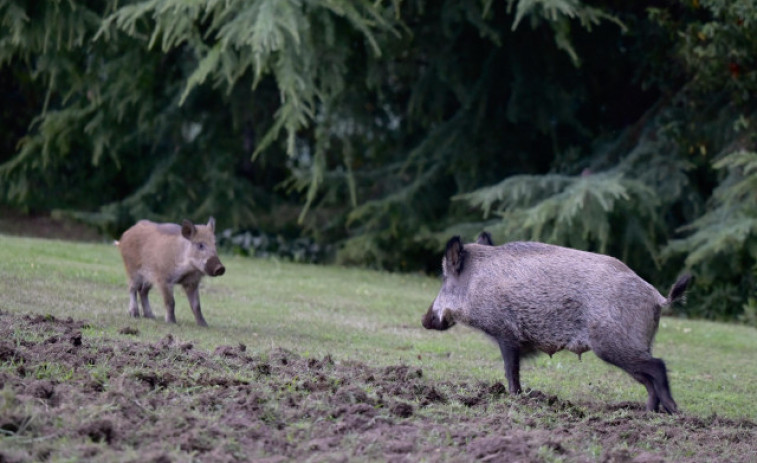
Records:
x=64, y=395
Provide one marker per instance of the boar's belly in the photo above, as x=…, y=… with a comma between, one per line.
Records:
x=576, y=346
x=551, y=331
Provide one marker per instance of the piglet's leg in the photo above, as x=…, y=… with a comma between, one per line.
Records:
x=133, y=307
x=146, y=310
x=167, y=291
x=193, y=294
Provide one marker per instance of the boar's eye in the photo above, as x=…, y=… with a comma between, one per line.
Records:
x=201, y=246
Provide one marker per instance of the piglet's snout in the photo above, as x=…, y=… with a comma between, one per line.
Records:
x=214, y=267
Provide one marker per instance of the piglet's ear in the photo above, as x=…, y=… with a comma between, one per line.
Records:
x=485, y=238
x=188, y=229
x=454, y=257
x=212, y=224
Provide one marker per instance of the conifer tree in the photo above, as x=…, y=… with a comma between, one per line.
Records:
x=384, y=127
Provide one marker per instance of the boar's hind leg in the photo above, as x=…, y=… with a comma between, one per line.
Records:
x=193, y=294
x=652, y=374
x=653, y=400
x=655, y=368
x=511, y=356
x=647, y=370
x=146, y=310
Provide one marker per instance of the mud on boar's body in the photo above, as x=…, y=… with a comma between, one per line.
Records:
x=166, y=254
x=531, y=296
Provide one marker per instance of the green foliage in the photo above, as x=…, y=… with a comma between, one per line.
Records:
x=285, y=38
x=615, y=211
x=714, y=113
x=572, y=210
x=730, y=224
x=560, y=14
x=117, y=103
x=716, y=44
x=383, y=127
x=722, y=246
x=259, y=244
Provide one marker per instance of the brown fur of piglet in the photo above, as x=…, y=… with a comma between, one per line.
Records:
x=162, y=255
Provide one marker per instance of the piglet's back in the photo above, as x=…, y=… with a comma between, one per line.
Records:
x=147, y=244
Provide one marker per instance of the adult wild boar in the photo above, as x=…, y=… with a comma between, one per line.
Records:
x=165, y=254
x=532, y=297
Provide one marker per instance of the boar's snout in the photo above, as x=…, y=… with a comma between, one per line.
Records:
x=427, y=320
x=214, y=267
x=431, y=322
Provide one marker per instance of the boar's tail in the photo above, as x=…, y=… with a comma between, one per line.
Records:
x=679, y=288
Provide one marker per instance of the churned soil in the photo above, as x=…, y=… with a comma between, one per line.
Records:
x=66, y=392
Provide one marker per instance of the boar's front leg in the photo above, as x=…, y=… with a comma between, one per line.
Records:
x=193, y=294
x=511, y=356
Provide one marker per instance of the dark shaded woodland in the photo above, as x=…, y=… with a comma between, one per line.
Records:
x=382, y=128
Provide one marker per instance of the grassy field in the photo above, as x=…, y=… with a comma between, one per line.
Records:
x=371, y=318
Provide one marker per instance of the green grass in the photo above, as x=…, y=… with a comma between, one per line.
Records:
x=368, y=316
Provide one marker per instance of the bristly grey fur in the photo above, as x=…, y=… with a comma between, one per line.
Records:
x=533, y=296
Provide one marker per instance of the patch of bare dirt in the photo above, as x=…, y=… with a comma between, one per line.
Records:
x=65, y=396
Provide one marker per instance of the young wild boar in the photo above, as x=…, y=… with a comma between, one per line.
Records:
x=532, y=297
x=164, y=254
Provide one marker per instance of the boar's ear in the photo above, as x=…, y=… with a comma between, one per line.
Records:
x=453, y=256
x=485, y=238
x=188, y=229
x=212, y=224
